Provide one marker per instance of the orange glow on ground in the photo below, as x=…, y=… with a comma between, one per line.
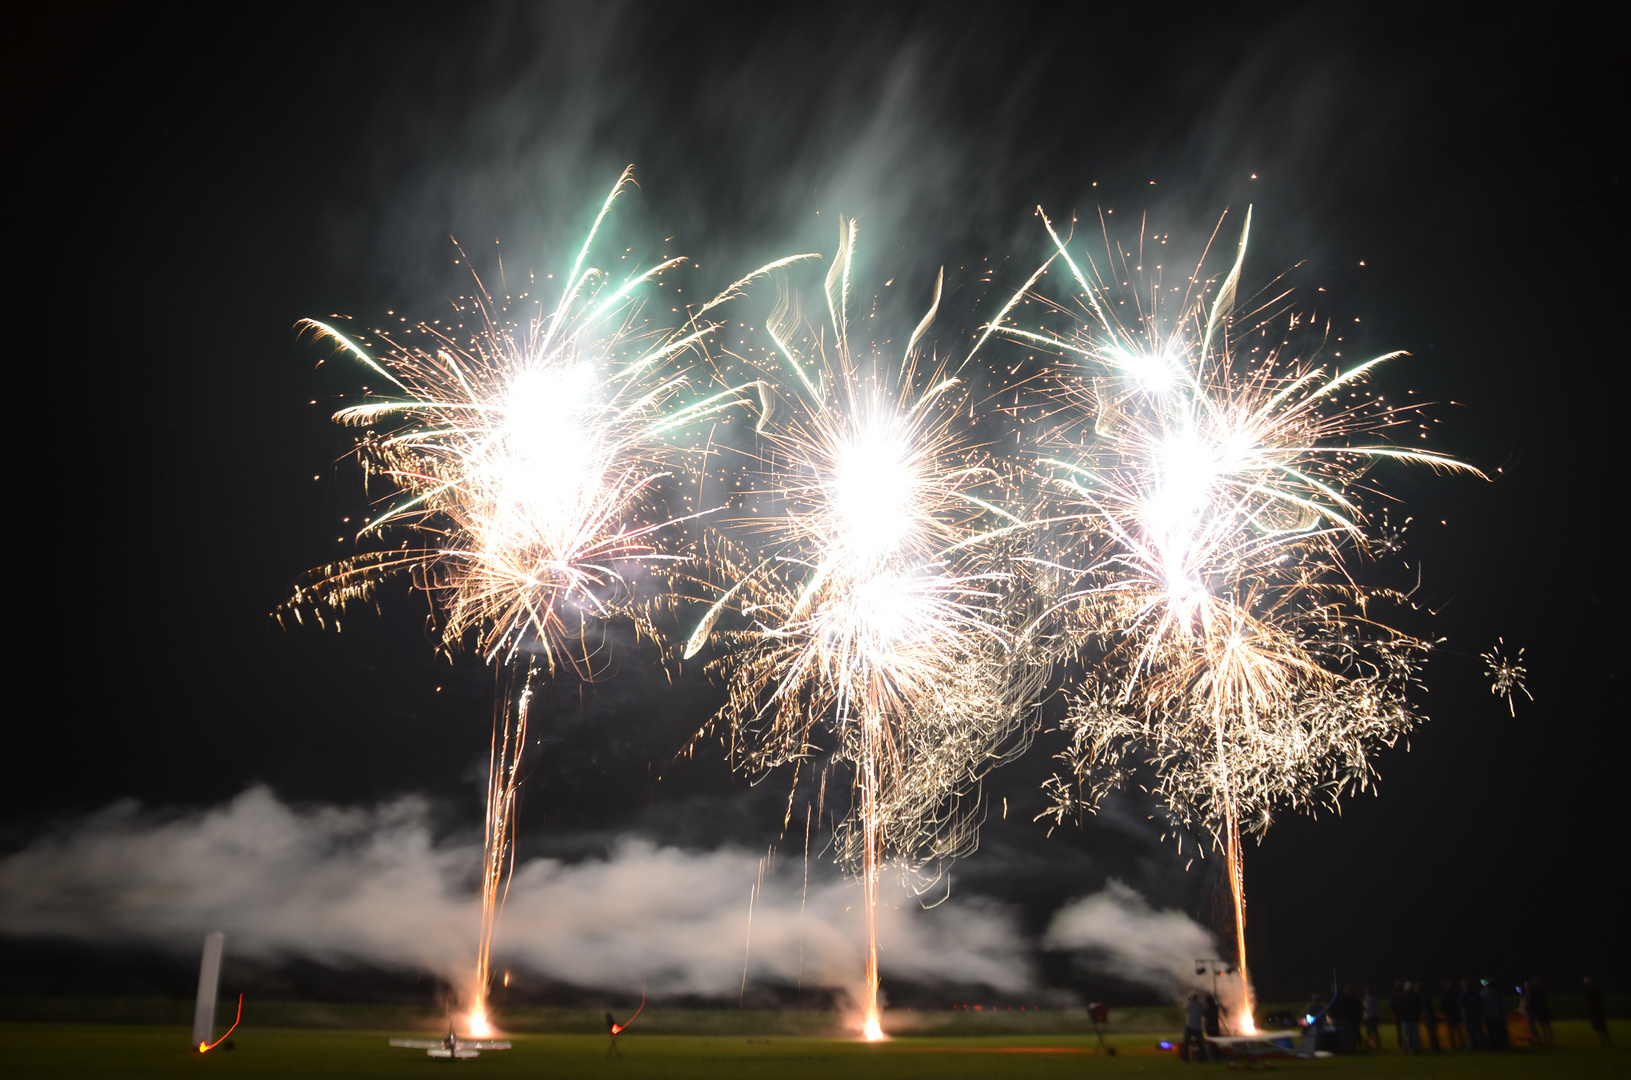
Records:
x=872, y=1030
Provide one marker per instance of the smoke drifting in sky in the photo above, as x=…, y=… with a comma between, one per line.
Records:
x=375, y=886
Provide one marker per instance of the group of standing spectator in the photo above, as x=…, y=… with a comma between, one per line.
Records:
x=1481, y=1008
x=1472, y=1015
x=1203, y=1020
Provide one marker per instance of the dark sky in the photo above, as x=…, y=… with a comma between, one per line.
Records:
x=189, y=181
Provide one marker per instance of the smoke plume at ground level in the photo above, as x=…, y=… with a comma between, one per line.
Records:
x=1118, y=930
x=376, y=887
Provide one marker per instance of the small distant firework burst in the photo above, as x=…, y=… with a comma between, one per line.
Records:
x=871, y=599
x=1205, y=483
x=1507, y=677
x=527, y=460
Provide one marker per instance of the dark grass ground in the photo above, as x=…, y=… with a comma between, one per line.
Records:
x=105, y=1050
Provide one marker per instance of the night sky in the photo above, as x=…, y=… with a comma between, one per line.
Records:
x=188, y=182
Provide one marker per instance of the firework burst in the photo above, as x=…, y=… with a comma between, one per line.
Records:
x=527, y=450
x=1508, y=677
x=1206, y=482
x=870, y=599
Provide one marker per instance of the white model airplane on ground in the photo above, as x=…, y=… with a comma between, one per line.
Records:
x=1269, y=1044
x=451, y=1047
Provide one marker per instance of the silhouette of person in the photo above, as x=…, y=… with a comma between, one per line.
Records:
x=1373, y=1021
x=1429, y=1015
x=1450, y=1006
x=612, y=1030
x=1211, y=1022
x=1409, y=1019
x=1495, y=1017
x=1345, y=1011
x=1594, y=1009
x=1319, y=1020
x=1526, y=1006
x=1540, y=1013
x=1194, y=1028
x=1472, y=1015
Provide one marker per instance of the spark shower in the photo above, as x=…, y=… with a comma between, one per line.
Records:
x=1171, y=541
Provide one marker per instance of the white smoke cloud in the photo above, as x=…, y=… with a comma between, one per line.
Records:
x=1119, y=932
x=373, y=885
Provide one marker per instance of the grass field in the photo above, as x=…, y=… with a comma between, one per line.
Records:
x=148, y=1051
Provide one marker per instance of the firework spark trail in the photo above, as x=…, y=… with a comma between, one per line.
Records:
x=1206, y=494
x=865, y=601
x=528, y=460
x=510, y=713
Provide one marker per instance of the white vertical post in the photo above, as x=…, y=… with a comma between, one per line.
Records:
x=209, y=981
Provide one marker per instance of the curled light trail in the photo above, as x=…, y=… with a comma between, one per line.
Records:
x=618, y=1029
x=1206, y=486
x=529, y=461
x=204, y=1048
x=867, y=597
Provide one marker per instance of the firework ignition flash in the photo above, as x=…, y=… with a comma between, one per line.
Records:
x=476, y=1021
